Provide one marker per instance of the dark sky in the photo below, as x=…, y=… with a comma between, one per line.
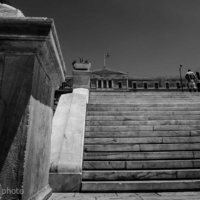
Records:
x=143, y=37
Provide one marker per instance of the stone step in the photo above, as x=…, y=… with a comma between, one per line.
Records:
x=140, y=174
x=133, y=186
x=141, y=155
x=147, y=164
x=143, y=118
x=144, y=109
x=150, y=98
x=145, y=122
x=143, y=140
x=194, y=95
x=141, y=147
x=142, y=100
x=101, y=93
x=142, y=128
x=144, y=105
x=141, y=113
x=132, y=134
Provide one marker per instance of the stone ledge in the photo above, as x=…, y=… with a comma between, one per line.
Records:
x=67, y=143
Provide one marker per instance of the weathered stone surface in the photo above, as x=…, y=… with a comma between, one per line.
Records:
x=159, y=164
x=141, y=136
x=129, y=196
x=30, y=69
x=148, y=164
x=144, y=108
x=143, y=118
x=140, y=186
x=141, y=175
x=123, y=140
x=141, y=147
x=82, y=91
x=119, y=128
x=143, y=105
x=9, y=11
x=132, y=134
x=67, y=142
x=81, y=79
x=104, y=147
x=65, y=182
x=103, y=165
x=145, y=122
x=140, y=113
x=140, y=155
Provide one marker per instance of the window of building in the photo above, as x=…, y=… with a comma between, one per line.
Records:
x=104, y=84
x=110, y=83
x=156, y=85
x=167, y=85
x=120, y=84
x=145, y=85
x=134, y=85
x=99, y=83
x=178, y=85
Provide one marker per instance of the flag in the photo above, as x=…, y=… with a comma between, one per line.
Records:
x=107, y=55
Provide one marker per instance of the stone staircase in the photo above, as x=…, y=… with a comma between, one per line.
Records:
x=143, y=141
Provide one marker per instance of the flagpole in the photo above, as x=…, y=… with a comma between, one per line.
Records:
x=104, y=60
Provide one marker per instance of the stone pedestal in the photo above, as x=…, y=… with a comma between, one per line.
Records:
x=31, y=68
x=81, y=79
x=67, y=143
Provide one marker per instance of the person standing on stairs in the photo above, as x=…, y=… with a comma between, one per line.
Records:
x=198, y=81
x=190, y=77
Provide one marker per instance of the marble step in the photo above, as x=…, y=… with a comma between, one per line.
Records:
x=145, y=98
x=143, y=109
x=143, y=140
x=141, y=147
x=140, y=174
x=142, y=118
x=142, y=101
x=147, y=164
x=144, y=105
x=148, y=96
x=143, y=128
x=141, y=113
x=132, y=134
x=133, y=186
x=141, y=155
x=144, y=93
x=110, y=93
x=145, y=122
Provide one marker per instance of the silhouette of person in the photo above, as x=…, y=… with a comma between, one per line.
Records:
x=198, y=81
x=190, y=77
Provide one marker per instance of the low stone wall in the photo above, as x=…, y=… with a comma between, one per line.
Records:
x=67, y=142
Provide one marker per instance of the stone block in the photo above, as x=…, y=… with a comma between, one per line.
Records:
x=81, y=79
x=67, y=143
x=31, y=67
x=82, y=91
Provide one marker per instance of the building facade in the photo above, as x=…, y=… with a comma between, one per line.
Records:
x=107, y=79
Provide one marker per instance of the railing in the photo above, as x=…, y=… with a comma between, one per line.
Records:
x=68, y=84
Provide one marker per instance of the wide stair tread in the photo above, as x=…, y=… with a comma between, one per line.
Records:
x=144, y=141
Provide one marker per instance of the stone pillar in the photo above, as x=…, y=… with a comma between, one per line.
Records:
x=81, y=79
x=101, y=83
x=96, y=83
x=31, y=68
